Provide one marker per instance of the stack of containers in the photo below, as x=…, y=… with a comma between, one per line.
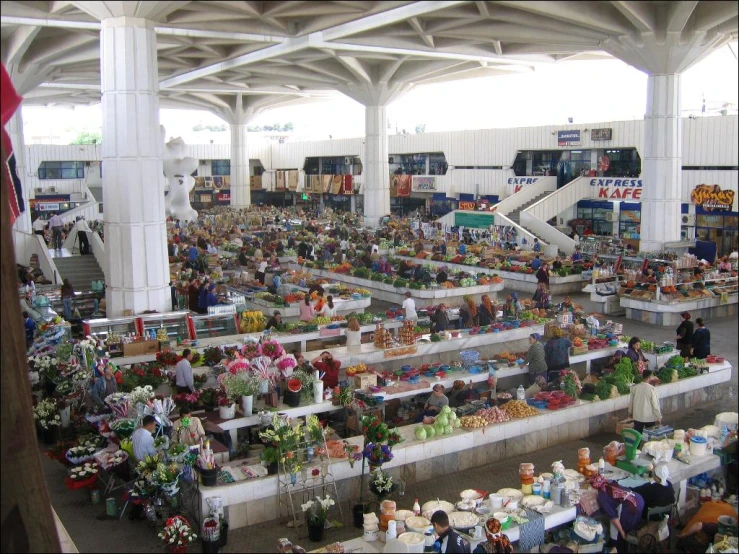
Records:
x=526, y=472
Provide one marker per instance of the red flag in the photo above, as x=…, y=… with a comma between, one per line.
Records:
x=9, y=103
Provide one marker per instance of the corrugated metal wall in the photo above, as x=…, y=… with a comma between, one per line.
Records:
x=709, y=141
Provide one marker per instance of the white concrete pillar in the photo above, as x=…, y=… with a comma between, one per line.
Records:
x=662, y=163
x=15, y=131
x=376, y=170
x=135, y=232
x=240, y=186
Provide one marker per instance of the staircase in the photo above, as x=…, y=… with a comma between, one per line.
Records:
x=80, y=270
x=515, y=215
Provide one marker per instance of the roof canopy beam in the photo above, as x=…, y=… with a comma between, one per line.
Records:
x=640, y=14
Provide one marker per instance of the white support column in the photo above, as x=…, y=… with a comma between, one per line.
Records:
x=133, y=191
x=15, y=130
x=376, y=170
x=662, y=163
x=240, y=185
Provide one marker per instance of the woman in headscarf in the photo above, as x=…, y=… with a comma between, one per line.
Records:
x=623, y=507
x=659, y=492
x=685, y=335
x=456, y=395
x=567, y=305
x=486, y=311
x=536, y=359
x=468, y=313
x=497, y=542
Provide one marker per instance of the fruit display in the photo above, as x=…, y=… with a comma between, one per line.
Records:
x=294, y=297
x=518, y=409
x=320, y=320
x=383, y=337
x=270, y=298
x=402, y=351
x=407, y=333
x=252, y=322
x=338, y=318
x=356, y=369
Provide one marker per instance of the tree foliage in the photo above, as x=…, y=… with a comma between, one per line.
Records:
x=88, y=137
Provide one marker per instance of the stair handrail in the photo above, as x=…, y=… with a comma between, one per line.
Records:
x=27, y=244
x=504, y=220
x=527, y=193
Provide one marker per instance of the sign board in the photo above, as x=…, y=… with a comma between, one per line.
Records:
x=476, y=220
x=224, y=196
x=605, y=133
x=467, y=205
x=568, y=138
x=423, y=184
x=712, y=198
x=616, y=189
x=47, y=206
x=517, y=183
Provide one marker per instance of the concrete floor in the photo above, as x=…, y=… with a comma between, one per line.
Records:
x=93, y=532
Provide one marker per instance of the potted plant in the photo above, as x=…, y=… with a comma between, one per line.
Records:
x=208, y=398
x=316, y=513
x=271, y=456
x=177, y=534
x=226, y=406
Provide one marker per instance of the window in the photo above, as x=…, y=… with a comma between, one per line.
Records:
x=418, y=164
x=220, y=167
x=62, y=170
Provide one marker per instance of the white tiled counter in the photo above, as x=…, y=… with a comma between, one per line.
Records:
x=292, y=312
x=256, y=501
x=668, y=314
x=514, y=280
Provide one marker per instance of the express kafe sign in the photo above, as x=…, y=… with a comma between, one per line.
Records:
x=617, y=189
x=517, y=183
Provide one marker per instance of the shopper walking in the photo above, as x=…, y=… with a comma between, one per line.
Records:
x=67, y=298
x=701, y=340
x=644, y=406
x=409, y=307
x=542, y=276
x=536, y=359
x=685, y=335
x=56, y=224
x=39, y=226
x=557, y=354
x=82, y=230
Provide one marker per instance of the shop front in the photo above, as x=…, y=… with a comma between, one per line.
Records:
x=715, y=218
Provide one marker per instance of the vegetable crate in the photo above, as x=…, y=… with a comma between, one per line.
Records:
x=365, y=380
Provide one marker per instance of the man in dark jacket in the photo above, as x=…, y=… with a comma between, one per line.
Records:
x=449, y=539
x=440, y=320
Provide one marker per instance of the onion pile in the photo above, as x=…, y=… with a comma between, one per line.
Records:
x=519, y=409
x=484, y=417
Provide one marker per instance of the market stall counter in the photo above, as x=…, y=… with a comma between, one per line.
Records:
x=292, y=312
x=252, y=501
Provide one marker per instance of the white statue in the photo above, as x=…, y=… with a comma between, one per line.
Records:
x=178, y=170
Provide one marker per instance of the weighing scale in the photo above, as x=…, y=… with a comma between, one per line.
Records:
x=632, y=464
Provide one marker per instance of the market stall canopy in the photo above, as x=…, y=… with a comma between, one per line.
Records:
x=283, y=51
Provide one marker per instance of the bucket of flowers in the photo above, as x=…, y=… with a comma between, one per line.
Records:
x=123, y=428
x=250, y=350
x=83, y=476
x=168, y=358
x=115, y=462
x=316, y=514
x=46, y=415
x=382, y=485
x=177, y=534
x=272, y=349
x=212, y=355
x=166, y=477
x=377, y=454
x=82, y=453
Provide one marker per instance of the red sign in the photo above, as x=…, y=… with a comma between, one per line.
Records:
x=467, y=206
x=223, y=197
x=618, y=193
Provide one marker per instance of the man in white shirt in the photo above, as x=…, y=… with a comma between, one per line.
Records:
x=143, y=439
x=409, y=305
x=644, y=406
x=183, y=370
x=39, y=226
x=82, y=230
x=56, y=224
x=344, y=245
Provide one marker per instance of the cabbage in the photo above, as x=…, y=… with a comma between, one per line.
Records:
x=456, y=423
x=439, y=428
x=448, y=430
x=446, y=410
x=430, y=432
x=452, y=416
x=442, y=420
x=420, y=433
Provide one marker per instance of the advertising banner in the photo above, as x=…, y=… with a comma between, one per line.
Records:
x=423, y=184
x=712, y=198
x=568, y=138
x=517, y=183
x=470, y=206
x=616, y=189
x=605, y=133
x=476, y=220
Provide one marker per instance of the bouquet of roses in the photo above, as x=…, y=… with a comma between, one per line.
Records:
x=44, y=364
x=239, y=365
x=84, y=472
x=260, y=367
x=185, y=398
x=167, y=358
x=119, y=403
x=177, y=532
x=108, y=460
x=250, y=350
x=285, y=364
x=82, y=453
x=271, y=349
x=212, y=355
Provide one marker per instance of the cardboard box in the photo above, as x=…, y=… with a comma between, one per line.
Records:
x=141, y=348
x=624, y=424
x=364, y=380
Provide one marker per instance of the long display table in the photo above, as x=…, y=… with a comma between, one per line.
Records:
x=255, y=501
x=390, y=293
x=292, y=312
x=668, y=314
x=514, y=280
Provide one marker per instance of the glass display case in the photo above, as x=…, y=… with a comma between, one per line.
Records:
x=174, y=322
x=219, y=325
x=102, y=328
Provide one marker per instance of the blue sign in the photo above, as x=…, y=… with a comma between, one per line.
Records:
x=568, y=138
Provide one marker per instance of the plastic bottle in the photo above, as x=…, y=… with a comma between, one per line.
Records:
x=428, y=543
x=601, y=466
x=416, y=508
x=521, y=393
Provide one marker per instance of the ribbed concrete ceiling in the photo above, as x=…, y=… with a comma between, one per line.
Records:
x=276, y=52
